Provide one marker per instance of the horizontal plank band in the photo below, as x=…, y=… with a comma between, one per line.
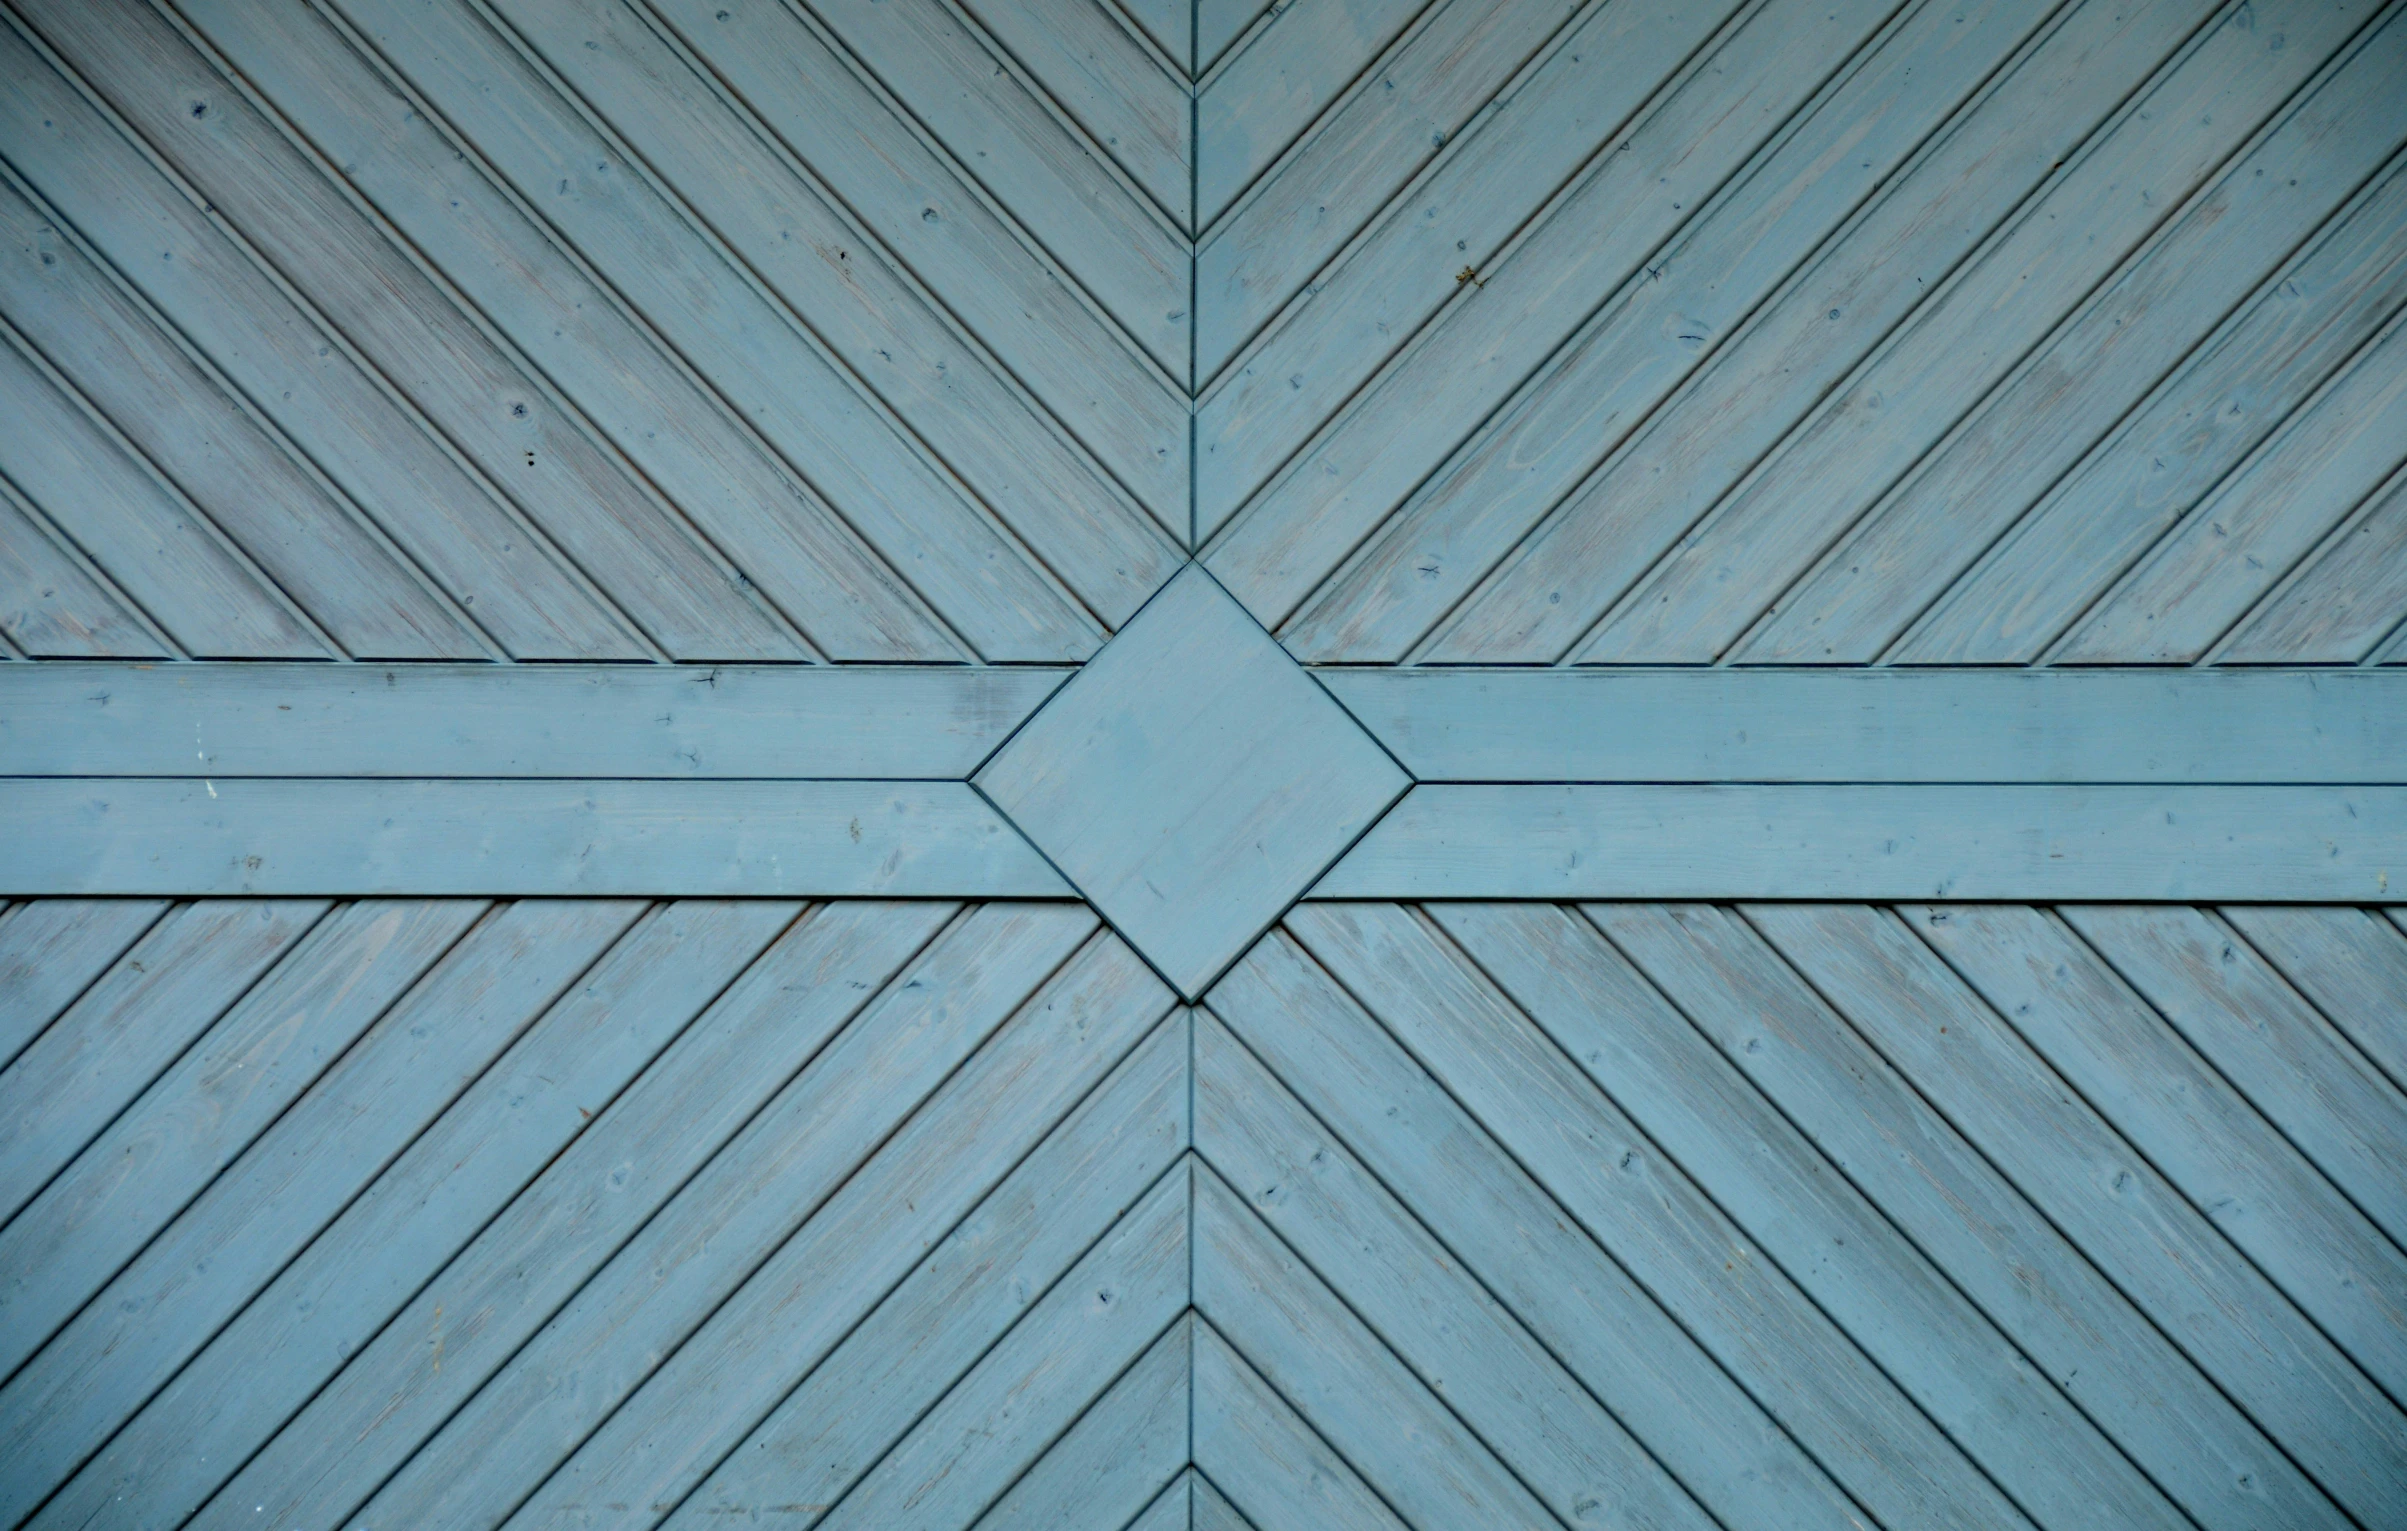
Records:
x=685, y=722
x=1886, y=725
x=512, y=838
x=2017, y=843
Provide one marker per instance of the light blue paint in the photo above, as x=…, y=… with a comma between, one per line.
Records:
x=1191, y=780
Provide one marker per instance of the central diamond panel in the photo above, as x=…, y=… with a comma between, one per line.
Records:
x=1192, y=780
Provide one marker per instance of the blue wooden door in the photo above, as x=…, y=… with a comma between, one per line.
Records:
x=1132, y=765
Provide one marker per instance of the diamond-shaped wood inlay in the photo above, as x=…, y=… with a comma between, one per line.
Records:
x=1192, y=780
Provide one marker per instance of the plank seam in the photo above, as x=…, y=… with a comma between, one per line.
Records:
x=649, y=915
x=268, y=1279
x=1905, y=1236
x=513, y=358
x=2167, y=227
x=1059, y=110
x=282, y=444
x=2339, y=1038
x=2367, y=506
x=960, y=920
x=1910, y=322
x=1803, y=1295
x=1469, y=1270
x=67, y=549
x=1526, y=394
x=964, y=493
x=2114, y=1129
x=274, y=593
x=1118, y=11
x=2289, y=425
x=952, y=323
x=730, y=416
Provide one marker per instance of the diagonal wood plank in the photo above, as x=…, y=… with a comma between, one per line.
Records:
x=1861, y=141
x=55, y=604
x=975, y=258
x=1287, y=72
x=1281, y=1476
x=2299, y=1070
x=2079, y=1170
x=671, y=424
x=52, y=950
x=1456, y=1337
x=1957, y=1206
x=2349, y=964
x=1880, y=1289
x=231, y=1242
x=2159, y=308
x=418, y=1214
x=1109, y=1463
x=205, y=1109
x=1037, y=167
x=134, y=1021
x=1394, y=119
x=320, y=548
x=365, y=436
x=1092, y=66
x=424, y=339
x=1100, y=1317
x=775, y=226
x=1405, y=282
x=1454, y=1073
x=2299, y=1226
x=1324, y=1360
x=101, y=501
x=701, y=1327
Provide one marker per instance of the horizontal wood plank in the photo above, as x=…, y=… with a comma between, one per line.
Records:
x=587, y=839
x=2042, y=844
x=687, y=723
x=1883, y=725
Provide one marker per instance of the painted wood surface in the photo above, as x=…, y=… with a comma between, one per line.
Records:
x=913, y=1213
x=1515, y=332
x=2245, y=844
x=1191, y=781
x=654, y=461
x=2065, y=726
x=720, y=722
x=584, y=838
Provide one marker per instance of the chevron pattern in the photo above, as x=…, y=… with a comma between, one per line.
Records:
x=599, y=1213
x=1466, y=331
x=758, y=337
